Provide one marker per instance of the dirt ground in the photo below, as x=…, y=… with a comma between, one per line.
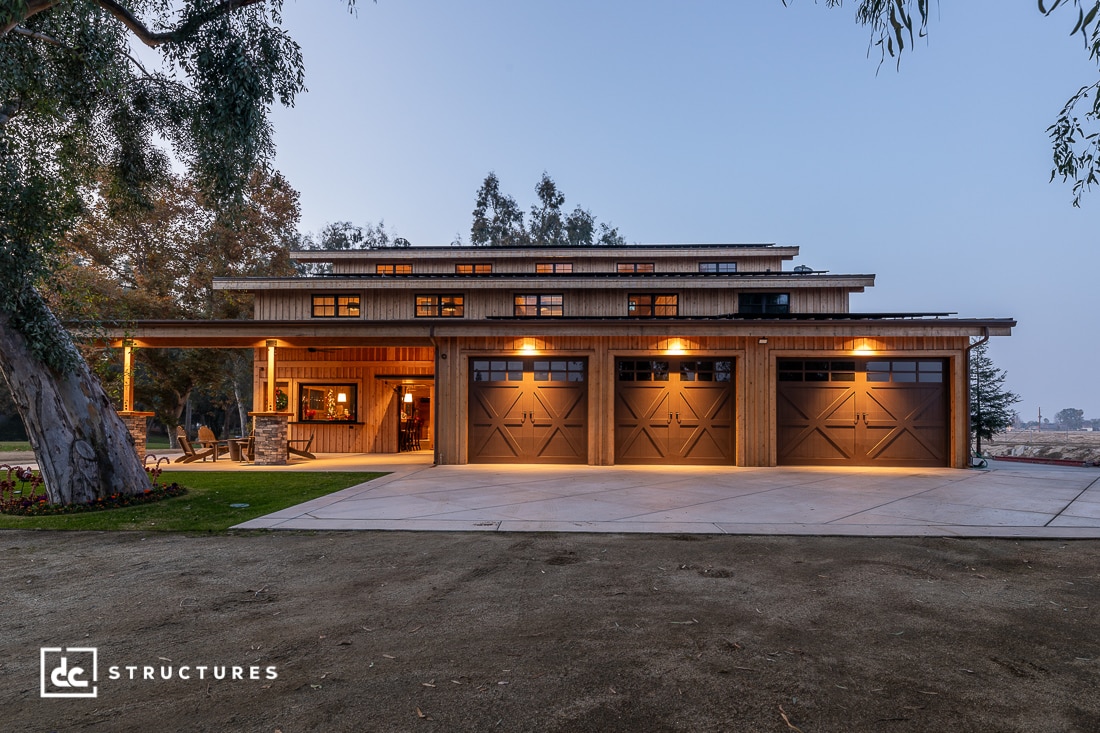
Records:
x=404, y=631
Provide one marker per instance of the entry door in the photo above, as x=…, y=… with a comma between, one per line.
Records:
x=528, y=411
x=674, y=411
x=862, y=413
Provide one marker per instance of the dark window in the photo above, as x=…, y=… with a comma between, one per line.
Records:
x=549, y=268
x=498, y=371
x=634, y=267
x=328, y=402
x=643, y=371
x=815, y=370
x=717, y=267
x=335, y=306
x=440, y=306
x=764, y=303
x=538, y=306
x=653, y=305
x=394, y=269
x=471, y=269
x=930, y=370
x=706, y=371
x=546, y=370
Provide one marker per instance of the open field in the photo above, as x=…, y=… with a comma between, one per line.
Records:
x=1078, y=445
x=539, y=632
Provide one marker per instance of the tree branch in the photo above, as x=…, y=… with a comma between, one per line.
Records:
x=35, y=34
x=153, y=40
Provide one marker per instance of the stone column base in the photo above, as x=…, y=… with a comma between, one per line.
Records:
x=138, y=425
x=270, y=437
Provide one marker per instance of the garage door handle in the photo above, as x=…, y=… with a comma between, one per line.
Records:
x=669, y=419
x=865, y=418
x=677, y=418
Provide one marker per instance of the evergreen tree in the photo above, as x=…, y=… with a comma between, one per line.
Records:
x=990, y=403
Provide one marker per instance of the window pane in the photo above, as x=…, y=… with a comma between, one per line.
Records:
x=931, y=366
x=327, y=402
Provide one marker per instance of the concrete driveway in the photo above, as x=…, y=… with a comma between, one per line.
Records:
x=1006, y=500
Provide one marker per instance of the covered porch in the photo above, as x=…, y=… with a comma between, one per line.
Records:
x=326, y=388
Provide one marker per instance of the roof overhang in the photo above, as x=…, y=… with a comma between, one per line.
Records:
x=254, y=334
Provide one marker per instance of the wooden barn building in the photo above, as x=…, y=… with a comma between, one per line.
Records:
x=670, y=354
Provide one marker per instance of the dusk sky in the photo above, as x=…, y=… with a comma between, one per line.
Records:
x=726, y=122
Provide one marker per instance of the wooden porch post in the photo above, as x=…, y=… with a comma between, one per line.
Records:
x=127, y=376
x=269, y=398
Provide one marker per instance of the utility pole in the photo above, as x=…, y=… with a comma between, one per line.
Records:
x=1040, y=419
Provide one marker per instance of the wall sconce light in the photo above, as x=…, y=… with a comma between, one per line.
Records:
x=863, y=348
x=527, y=346
x=762, y=340
x=674, y=347
x=408, y=397
x=341, y=396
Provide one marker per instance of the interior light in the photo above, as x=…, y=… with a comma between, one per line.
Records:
x=341, y=397
x=408, y=397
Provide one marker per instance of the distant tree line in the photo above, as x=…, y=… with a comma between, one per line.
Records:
x=499, y=221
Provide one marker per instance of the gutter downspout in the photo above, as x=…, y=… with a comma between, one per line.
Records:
x=969, y=420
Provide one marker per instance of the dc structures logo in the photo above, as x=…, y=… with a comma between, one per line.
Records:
x=69, y=671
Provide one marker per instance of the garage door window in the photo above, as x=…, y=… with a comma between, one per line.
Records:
x=558, y=371
x=498, y=371
x=905, y=371
x=643, y=371
x=817, y=371
x=705, y=371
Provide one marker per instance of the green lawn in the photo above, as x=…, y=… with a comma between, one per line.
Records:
x=206, y=507
x=14, y=447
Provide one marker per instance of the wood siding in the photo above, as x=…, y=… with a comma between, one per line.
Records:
x=754, y=382
x=378, y=409
x=583, y=260
x=388, y=305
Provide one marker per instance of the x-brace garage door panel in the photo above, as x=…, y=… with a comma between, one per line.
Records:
x=528, y=411
x=674, y=411
x=865, y=413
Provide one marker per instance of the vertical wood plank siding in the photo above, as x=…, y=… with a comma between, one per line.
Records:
x=754, y=379
x=584, y=262
x=754, y=368
x=378, y=409
x=386, y=305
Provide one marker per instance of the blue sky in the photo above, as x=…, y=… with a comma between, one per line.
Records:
x=728, y=122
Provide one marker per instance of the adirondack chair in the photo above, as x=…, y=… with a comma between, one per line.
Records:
x=303, y=452
x=189, y=452
x=209, y=440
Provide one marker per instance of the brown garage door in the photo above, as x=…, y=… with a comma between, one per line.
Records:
x=674, y=411
x=528, y=411
x=884, y=412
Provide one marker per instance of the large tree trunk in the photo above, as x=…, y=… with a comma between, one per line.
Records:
x=84, y=450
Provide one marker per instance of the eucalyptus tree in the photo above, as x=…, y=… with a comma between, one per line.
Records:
x=78, y=107
x=499, y=222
